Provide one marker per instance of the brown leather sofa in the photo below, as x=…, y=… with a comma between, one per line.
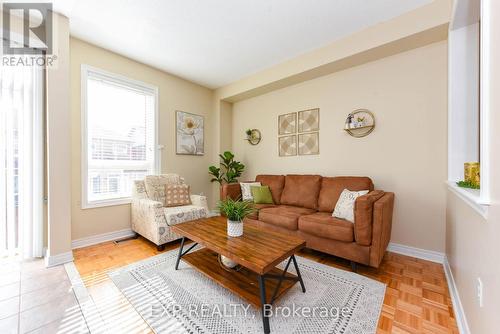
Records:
x=303, y=206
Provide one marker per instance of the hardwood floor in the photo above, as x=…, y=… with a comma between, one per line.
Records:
x=417, y=298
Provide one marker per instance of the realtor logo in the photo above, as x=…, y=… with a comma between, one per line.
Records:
x=27, y=28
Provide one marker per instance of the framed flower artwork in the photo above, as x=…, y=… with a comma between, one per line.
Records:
x=190, y=134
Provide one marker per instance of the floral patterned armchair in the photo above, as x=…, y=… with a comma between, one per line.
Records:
x=151, y=219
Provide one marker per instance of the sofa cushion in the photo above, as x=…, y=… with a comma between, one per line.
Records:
x=322, y=224
x=332, y=187
x=283, y=215
x=275, y=183
x=258, y=207
x=301, y=190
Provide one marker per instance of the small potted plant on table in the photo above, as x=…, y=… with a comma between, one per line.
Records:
x=235, y=211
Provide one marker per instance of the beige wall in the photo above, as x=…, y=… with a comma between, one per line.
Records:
x=58, y=149
x=472, y=249
x=174, y=94
x=406, y=153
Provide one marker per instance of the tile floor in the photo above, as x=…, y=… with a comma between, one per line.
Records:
x=35, y=299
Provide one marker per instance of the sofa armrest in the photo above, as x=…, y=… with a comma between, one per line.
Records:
x=382, y=225
x=363, y=217
x=230, y=190
x=199, y=200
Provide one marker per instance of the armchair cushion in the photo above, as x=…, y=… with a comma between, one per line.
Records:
x=155, y=185
x=180, y=214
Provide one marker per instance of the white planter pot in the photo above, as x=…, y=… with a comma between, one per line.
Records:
x=234, y=228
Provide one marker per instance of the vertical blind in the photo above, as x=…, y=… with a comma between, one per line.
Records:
x=21, y=161
x=120, y=138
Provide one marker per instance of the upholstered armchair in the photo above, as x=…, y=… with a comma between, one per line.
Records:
x=151, y=219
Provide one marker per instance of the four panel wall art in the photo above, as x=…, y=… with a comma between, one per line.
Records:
x=298, y=133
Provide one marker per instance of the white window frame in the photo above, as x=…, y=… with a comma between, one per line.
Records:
x=122, y=80
x=479, y=200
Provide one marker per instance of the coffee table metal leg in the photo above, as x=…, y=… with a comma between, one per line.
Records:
x=180, y=253
x=298, y=273
x=265, y=319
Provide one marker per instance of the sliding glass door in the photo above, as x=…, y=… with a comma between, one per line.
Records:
x=21, y=161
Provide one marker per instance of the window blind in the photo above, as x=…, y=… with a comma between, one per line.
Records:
x=120, y=138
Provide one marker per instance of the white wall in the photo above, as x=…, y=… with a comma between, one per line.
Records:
x=405, y=154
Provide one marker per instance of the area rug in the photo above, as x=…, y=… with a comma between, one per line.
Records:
x=186, y=301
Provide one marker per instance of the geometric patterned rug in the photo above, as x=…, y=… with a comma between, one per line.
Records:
x=186, y=301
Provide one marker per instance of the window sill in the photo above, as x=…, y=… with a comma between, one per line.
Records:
x=470, y=196
x=104, y=203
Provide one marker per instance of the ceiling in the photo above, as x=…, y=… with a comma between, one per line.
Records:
x=216, y=42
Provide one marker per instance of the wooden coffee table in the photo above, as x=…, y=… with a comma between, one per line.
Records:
x=258, y=251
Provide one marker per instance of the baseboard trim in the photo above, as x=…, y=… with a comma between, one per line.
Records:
x=419, y=253
x=463, y=327
x=99, y=238
x=55, y=260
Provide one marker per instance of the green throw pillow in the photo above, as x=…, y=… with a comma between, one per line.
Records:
x=261, y=195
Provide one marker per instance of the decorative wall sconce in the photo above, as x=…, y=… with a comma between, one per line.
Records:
x=253, y=136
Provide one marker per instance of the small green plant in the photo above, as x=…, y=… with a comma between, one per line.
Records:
x=235, y=210
x=468, y=184
x=229, y=169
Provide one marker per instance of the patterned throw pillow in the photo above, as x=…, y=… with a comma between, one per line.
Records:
x=246, y=193
x=345, y=205
x=177, y=195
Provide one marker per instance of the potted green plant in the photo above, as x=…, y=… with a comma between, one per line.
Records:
x=235, y=211
x=228, y=171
